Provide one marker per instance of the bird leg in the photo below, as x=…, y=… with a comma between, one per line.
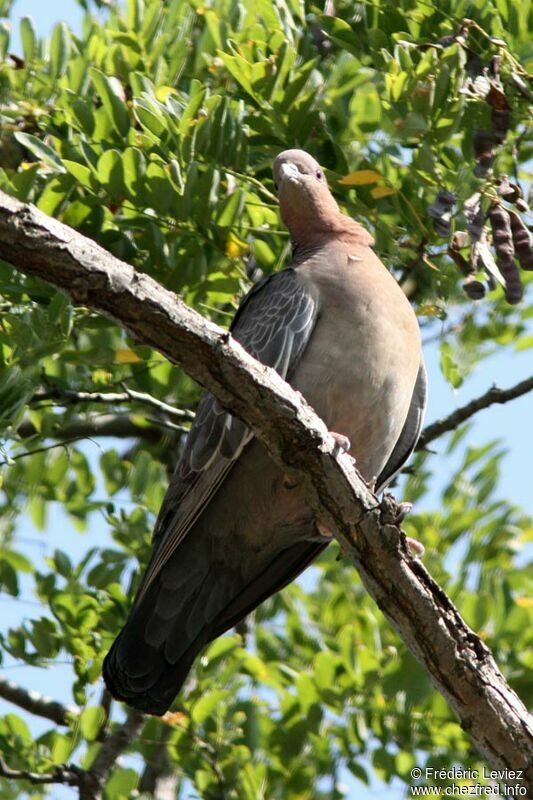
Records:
x=325, y=533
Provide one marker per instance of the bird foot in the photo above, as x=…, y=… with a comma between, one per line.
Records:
x=403, y=510
x=324, y=533
x=342, y=444
x=415, y=547
x=371, y=484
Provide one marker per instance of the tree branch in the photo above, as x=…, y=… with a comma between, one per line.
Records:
x=119, y=426
x=66, y=774
x=90, y=782
x=115, y=744
x=458, y=662
x=69, y=397
x=36, y=703
x=460, y=415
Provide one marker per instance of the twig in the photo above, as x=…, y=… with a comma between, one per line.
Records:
x=44, y=449
x=90, y=782
x=70, y=397
x=36, y=703
x=115, y=744
x=460, y=415
x=66, y=773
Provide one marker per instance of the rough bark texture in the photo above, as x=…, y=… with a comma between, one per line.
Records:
x=459, y=664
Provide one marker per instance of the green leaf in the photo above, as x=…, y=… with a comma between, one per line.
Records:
x=206, y=705
x=82, y=174
x=41, y=150
x=134, y=165
x=150, y=116
x=232, y=209
x=28, y=37
x=449, y=366
x=91, y=720
x=59, y=50
x=4, y=39
x=15, y=391
x=110, y=174
x=113, y=103
x=17, y=560
x=121, y=785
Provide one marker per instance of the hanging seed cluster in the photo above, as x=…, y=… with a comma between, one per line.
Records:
x=486, y=141
x=496, y=241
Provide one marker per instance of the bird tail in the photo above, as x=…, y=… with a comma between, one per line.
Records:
x=139, y=672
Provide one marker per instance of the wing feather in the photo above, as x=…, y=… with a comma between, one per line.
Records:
x=410, y=432
x=273, y=323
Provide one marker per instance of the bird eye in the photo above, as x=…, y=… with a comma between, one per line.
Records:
x=319, y=174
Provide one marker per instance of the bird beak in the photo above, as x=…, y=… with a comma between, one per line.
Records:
x=288, y=170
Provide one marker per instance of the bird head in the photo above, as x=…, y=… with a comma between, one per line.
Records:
x=307, y=206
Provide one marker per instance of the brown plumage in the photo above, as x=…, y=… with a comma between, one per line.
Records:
x=231, y=531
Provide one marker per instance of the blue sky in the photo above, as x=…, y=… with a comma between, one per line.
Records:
x=503, y=369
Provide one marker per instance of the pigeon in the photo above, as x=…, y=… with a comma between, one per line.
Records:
x=232, y=530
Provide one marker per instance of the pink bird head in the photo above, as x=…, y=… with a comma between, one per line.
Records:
x=307, y=206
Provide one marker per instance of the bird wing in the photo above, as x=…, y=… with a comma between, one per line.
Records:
x=273, y=323
x=410, y=432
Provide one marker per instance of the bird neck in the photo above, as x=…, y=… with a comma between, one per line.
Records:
x=308, y=238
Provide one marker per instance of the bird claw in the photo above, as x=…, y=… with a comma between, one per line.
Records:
x=342, y=444
x=404, y=509
x=371, y=484
x=324, y=533
x=415, y=547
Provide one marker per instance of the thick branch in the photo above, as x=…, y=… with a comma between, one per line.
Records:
x=458, y=662
x=460, y=415
x=36, y=703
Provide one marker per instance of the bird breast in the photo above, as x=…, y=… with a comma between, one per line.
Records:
x=362, y=361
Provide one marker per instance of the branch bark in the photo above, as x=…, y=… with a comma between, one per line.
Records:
x=460, y=415
x=90, y=782
x=458, y=662
x=65, y=773
x=36, y=703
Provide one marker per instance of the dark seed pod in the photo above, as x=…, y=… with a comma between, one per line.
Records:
x=503, y=244
x=522, y=206
x=440, y=212
x=509, y=191
x=446, y=199
x=475, y=217
x=500, y=110
x=501, y=122
x=522, y=240
x=460, y=261
x=474, y=288
x=483, y=150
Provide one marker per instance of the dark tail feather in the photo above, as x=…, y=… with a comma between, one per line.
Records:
x=141, y=676
x=150, y=660
x=138, y=668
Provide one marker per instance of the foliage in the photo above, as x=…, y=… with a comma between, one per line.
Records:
x=153, y=132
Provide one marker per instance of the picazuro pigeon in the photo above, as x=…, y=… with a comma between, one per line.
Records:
x=232, y=529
